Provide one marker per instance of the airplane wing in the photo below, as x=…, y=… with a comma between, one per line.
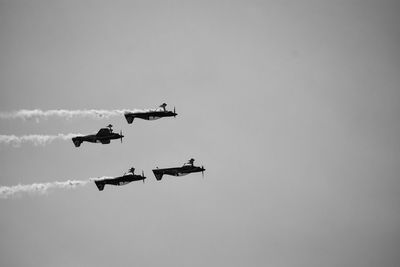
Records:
x=105, y=141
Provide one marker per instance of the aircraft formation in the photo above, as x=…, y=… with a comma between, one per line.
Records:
x=105, y=135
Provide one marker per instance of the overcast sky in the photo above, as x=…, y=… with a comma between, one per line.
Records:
x=291, y=106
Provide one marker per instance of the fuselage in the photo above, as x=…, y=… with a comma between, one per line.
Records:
x=177, y=171
x=101, y=137
x=126, y=179
x=118, y=181
x=149, y=115
x=94, y=138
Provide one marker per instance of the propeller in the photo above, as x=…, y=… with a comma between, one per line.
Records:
x=174, y=113
x=202, y=171
x=120, y=133
x=143, y=175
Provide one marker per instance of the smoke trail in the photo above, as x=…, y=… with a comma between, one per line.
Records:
x=42, y=188
x=38, y=114
x=35, y=139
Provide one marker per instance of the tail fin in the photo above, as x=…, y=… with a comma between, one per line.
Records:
x=158, y=174
x=77, y=141
x=129, y=118
x=100, y=185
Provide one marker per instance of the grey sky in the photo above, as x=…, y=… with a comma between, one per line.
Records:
x=291, y=106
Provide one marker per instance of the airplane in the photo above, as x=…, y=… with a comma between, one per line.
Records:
x=178, y=171
x=122, y=180
x=104, y=136
x=151, y=114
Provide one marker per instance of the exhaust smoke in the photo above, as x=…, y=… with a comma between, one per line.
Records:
x=38, y=114
x=43, y=188
x=35, y=139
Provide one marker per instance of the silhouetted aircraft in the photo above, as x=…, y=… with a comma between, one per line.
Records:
x=178, y=171
x=104, y=136
x=151, y=114
x=123, y=180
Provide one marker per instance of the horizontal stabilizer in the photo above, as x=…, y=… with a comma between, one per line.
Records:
x=100, y=185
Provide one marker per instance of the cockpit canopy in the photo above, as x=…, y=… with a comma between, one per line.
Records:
x=104, y=131
x=189, y=163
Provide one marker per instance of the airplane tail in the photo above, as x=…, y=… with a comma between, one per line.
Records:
x=77, y=141
x=158, y=175
x=100, y=185
x=129, y=118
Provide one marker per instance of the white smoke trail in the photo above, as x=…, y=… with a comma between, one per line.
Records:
x=42, y=188
x=35, y=139
x=38, y=114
